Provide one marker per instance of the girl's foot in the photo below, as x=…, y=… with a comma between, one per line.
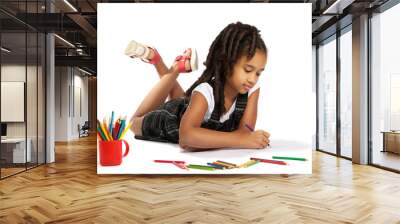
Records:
x=144, y=52
x=187, y=62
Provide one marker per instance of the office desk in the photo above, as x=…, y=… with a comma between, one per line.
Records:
x=391, y=141
x=13, y=150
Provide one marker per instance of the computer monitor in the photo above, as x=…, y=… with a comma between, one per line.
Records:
x=3, y=129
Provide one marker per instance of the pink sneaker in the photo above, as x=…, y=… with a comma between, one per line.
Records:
x=138, y=50
x=192, y=57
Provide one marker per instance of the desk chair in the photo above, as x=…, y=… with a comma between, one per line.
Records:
x=84, y=130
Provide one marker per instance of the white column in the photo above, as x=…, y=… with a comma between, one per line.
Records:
x=50, y=99
x=50, y=93
x=360, y=90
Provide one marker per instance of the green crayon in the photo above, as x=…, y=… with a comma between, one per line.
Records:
x=288, y=158
x=200, y=167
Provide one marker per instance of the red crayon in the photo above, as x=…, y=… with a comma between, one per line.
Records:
x=116, y=129
x=248, y=126
x=100, y=138
x=168, y=161
x=270, y=161
x=180, y=165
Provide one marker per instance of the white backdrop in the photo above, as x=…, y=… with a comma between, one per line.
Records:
x=286, y=104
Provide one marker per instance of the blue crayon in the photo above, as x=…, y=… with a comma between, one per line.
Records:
x=110, y=127
x=216, y=166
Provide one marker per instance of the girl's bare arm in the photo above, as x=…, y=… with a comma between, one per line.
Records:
x=250, y=113
x=193, y=136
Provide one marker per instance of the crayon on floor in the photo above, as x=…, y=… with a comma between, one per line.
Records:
x=231, y=164
x=224, y=165
x=288, y=158
x=180, y=165
x=278, y=162
x=200, y=167
x=249, y=163
x=168, y=161
x=216, y=166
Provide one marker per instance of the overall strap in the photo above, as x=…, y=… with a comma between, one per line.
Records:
x=241, y=102
x=214, y=115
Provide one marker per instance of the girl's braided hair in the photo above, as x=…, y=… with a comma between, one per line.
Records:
x=234, y=41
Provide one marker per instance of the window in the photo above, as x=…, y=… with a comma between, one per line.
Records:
x=346, y=93
x=327, y=95
x=385, y=88
x=23, y=78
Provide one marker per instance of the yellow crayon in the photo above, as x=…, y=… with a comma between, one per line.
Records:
x=107, y=133
x=248, y=163
x=103, y=130
x=126, y=130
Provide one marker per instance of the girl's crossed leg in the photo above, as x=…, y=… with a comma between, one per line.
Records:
x=167, y=85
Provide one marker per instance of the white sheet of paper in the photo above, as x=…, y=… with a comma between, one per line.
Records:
x=141, y=156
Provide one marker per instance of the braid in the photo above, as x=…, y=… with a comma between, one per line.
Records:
x=235, y=40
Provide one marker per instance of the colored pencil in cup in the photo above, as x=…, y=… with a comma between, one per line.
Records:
x=110, y=127
x=121, y=128
x=103, y=131
x=126, y=130
x=106, y=132
x=116, y=129
x=288, y=158
x=101, y=135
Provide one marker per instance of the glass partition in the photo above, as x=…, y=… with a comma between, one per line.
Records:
x=22, y=77
x=346, y=93
x=13, y=108
x=385, y=88
x=327, y=95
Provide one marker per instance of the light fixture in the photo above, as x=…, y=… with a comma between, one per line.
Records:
x=5, y=50
x=80, y=51
x=64, y=40
x=84, y=71
x=337, y=7
x=70, y=5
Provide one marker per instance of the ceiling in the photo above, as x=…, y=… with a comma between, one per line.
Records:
x=76, y=22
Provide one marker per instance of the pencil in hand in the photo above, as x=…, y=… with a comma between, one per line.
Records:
x=251, y=129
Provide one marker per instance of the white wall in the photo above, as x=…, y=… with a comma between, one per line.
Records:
x=34, y=125
x=67, y=116
x=62, y=78
x=16, y=73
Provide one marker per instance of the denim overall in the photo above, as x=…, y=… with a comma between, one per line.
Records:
x=162, y=124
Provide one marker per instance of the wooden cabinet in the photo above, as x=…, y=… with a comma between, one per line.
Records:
x=391, y=141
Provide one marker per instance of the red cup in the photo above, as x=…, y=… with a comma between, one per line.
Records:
x=111, y=152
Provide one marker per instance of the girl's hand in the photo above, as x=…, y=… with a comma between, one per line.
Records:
x=256, y=140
